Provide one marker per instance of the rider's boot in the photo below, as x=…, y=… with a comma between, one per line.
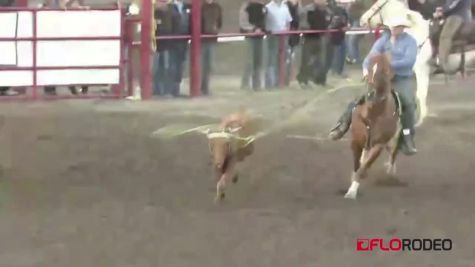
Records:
x=406, y=141
x=345, y=120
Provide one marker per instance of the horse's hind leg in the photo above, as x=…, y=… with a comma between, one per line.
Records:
x=355, y=182
x=391, y=163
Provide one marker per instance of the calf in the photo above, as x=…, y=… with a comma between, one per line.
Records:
x=230, y=144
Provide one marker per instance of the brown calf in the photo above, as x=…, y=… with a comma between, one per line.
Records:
x=230, y=144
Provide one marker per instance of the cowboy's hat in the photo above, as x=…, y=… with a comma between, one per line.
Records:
x=397, y=21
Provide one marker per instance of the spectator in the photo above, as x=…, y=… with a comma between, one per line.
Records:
x=295, y=7
x=180, y=47
x=340, y=22
x=5, y=90
x=212, y=21
x=252, y=15
x=355, y=11
x=316, y=50
x=166, y=20
x=277, y=20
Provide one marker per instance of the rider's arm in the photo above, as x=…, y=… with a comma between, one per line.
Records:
x=410, y=54
x=378, y=48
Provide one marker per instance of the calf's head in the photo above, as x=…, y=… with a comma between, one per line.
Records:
x=220, y=146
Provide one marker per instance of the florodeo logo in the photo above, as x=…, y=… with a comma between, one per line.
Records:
x=404, y=244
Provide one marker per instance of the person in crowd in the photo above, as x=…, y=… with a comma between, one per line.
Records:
x=278, y=20
x=180, y=47
x=316, y=49
x=295, y=8
x=252, y=17
x=212, y=21
x=166, y=20
x=340, y=22
x=355, y=11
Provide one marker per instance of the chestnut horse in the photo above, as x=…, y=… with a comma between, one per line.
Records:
x=375, y=124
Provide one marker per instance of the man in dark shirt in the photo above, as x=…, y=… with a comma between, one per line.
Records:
x=180, y=47
x=166, y=19
x=212, y=21
x=317, y=49
x=339, y=21
x=294, y=7
x=252, y=15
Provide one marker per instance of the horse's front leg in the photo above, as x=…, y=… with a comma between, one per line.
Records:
x=391, y=163
x=373, y=154
x=357, y=149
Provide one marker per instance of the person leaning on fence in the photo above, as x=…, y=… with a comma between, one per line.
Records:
x=252, y=16
x=295, y=8
x=212, y=21
x=180, y=47
x=278, y=20
x=166, y=20
x=315, y=16
x=340, y=22
x=355, y=11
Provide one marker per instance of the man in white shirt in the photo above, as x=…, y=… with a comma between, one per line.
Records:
x=278, y=19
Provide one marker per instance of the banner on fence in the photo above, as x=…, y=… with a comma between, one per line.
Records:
x=89, y=54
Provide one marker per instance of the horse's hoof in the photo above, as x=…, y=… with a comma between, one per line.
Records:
x=350, y=195
x=235, y=178
x=390, y=168
x=219, y=198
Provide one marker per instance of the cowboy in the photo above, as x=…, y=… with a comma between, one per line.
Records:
x=402, y=50
x=456, y=13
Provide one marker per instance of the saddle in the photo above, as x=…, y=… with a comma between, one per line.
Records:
x=395, y=95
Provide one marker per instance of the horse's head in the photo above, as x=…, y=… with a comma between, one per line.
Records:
x=381, y=10
x=379, y=76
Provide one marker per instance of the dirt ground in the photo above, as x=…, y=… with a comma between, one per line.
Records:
x=83, y=183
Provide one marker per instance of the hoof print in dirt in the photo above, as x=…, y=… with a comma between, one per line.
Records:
x=391, y=182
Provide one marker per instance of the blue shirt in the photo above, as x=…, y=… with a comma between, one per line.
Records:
x=403, y=53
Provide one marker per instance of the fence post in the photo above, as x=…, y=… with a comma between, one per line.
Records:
x=195, y=70
x=146, y=49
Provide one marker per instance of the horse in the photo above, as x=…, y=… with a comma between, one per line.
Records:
x=375, y=124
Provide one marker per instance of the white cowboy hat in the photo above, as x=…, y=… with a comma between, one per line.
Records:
x=397, y=21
